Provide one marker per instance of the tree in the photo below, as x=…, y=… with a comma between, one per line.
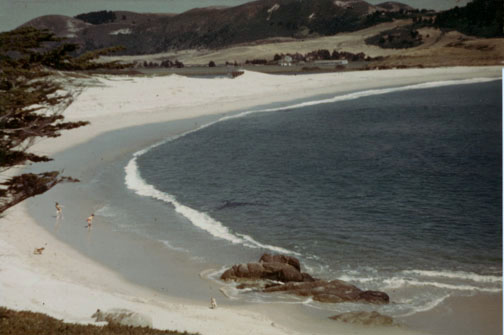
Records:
x=31, y=106
x=482, y=18
x=99, y=17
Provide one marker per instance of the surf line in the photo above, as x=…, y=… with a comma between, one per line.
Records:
x=136, y=183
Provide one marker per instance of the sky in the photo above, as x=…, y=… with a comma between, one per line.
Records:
x=13, y=13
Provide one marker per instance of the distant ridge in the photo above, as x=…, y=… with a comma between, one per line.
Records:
x=393, y=6
x=214, y=27
x=63, y=26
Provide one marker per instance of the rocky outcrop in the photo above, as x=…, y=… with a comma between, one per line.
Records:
x=364, y=318
x=331, y=291
x=270, y=267
x=269, y=258
x=123, y=317
x=280, y=273
x=276, y=271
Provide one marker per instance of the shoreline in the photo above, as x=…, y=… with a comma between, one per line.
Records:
x=68, y=269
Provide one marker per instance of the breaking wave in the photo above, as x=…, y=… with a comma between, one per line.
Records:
x=135, y=182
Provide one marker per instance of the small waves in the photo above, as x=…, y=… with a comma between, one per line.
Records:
x=457, y=275
x=201, y=220
x=362, y=94
x=135, y=182
x=451, y=280
x=426, y=306
x=411, y=290
x=172, y=247
x=106, y=211
x=411, y=279
x=414, y=291
x=396, y=283
x=446, y=280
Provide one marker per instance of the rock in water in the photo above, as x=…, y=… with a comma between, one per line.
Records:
x=285, y=272
x=331, y=291
x=279, y=268
x=364, y=318
x=269, y=258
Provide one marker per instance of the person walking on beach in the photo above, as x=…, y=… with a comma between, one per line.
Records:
x=59, y=210
x=89, y=221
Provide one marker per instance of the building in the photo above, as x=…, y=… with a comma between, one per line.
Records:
x=285, y=61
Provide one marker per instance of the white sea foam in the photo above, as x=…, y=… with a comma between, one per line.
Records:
x=397, y=282
x=135, y=182
x=362, y=94
x=426, y=307
x=456, y=275
x=307, y=301
x=201, y=220
x=256, y=244
x=356, y=279
x=172, y=247
x=106, y=211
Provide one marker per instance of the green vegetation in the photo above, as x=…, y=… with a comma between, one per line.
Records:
x=321, y=54
x=100, y=17
x=31, y=104
x=397, y=38
x=22, y=323
x=483, y=18
x=217, y=28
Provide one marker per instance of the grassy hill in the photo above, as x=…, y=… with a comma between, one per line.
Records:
x=220, y=27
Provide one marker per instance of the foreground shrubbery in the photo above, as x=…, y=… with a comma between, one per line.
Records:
x=31, y=105
x=22, y=323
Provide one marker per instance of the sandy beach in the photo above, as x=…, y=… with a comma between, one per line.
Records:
x=75, y=275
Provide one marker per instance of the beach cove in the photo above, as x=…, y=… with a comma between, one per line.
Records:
x=65, y=283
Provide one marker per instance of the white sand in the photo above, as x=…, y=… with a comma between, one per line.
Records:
x=64, y=284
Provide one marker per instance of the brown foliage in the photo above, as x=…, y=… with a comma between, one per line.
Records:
x=22, y=323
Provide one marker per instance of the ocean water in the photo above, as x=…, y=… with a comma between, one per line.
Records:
x=398, y=190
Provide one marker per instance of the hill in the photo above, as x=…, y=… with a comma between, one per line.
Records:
x=393, y=6
x=483, y=18
x=218, y=27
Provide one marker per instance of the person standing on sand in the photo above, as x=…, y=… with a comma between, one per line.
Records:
x=89, y=221
x=59, y=210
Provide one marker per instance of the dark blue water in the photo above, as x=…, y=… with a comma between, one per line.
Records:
x=403, y=183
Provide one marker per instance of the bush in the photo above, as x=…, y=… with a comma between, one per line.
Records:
x=98, y=17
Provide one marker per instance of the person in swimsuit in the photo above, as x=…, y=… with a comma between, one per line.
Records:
x=59, y=210
x=89, y=221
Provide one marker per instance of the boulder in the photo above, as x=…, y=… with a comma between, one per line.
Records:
x=269, y=258
x=285, y=273
x=364, y=318
x=375, y=297
x=272, y=271
x=270, y=267
x=331, y=291
x=123, y=317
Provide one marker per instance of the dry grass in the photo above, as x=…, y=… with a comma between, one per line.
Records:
x=438, y=49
